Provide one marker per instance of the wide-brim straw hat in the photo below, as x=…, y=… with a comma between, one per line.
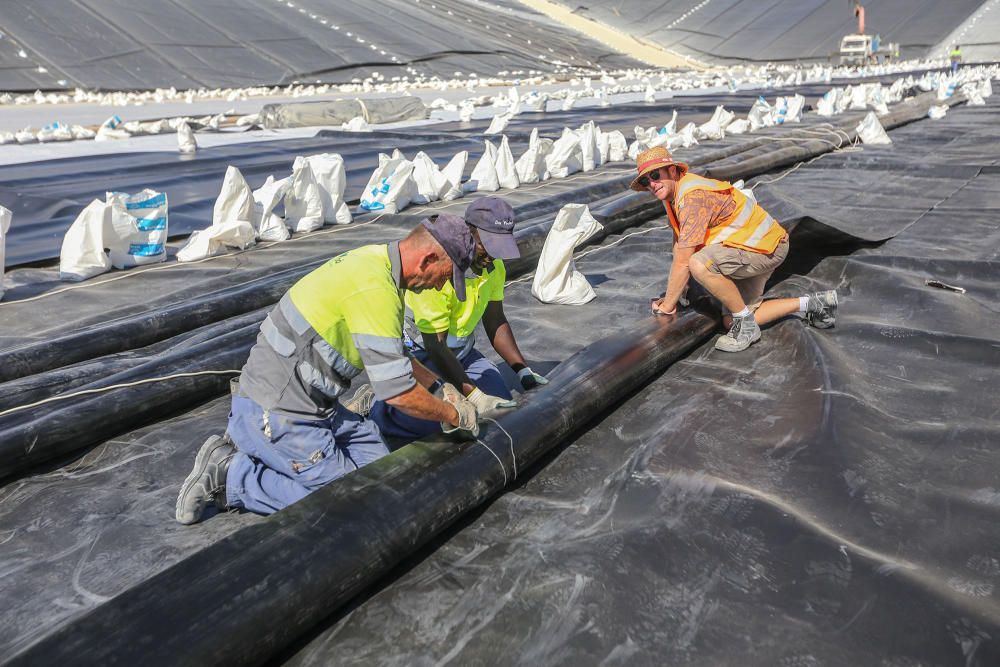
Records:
x=657, y=157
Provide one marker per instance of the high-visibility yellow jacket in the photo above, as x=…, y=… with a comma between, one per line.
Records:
x=749, y=227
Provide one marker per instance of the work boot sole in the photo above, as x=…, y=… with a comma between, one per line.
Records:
x=201, y=462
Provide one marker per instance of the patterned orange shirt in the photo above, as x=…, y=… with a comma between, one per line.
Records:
x=699, y=211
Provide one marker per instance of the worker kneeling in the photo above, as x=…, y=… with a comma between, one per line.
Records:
x=730, y=245
x=446, y=320
x=288, y=433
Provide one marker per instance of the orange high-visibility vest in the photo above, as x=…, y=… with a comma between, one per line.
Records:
x=749, y=227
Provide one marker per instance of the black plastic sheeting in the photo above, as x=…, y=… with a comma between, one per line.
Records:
x=142, y=44
x=732, y=31
x=45, y=197
x=323, y=550
x=826, y=498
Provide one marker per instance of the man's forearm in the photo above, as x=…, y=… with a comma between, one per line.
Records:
x=506, y=346
x=501, y=336
x=423, y=375
x=417, y=402
x=678, y=280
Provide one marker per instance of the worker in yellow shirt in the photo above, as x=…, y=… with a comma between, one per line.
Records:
x=288, y=433
x=445, y=326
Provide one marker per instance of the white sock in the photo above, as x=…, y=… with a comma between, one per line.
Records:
x=803, y=304
x=743, y=313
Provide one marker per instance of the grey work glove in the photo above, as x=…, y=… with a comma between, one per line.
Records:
x=468, y=418
x=488, y=405
x=530, y=379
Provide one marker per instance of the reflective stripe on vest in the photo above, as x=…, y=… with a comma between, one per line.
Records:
x=750, y=227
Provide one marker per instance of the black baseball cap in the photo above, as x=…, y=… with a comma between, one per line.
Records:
x=494, y=218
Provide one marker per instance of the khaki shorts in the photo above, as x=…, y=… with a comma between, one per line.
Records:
x=749, y=270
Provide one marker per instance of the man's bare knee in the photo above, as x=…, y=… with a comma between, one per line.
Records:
x=699, y=271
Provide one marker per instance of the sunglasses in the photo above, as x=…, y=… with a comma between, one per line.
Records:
x=651, y=176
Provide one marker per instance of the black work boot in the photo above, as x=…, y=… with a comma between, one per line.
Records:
x=207, y=482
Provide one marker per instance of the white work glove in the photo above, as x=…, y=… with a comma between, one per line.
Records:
x=530, y=379
x=487, y=405
x=468, y=418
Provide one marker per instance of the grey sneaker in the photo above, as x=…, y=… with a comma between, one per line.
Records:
x=207, y=482
x=744, y=333
x=362, y=401
x=822, y=312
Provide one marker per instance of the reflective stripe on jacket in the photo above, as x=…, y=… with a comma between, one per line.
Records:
x=341, y=319
x=749, y=227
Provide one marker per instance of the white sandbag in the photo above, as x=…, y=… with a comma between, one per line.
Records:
x=515, y=102
x=484, y=176
x=81, y=132
x=937, y=112
x=715, y=128
x=7, y=138
x=55, y=132
x=498, y=124
x=643, y=137
x=186, y=143
x=26, y=136
x=789, y=109
x=235, y=200
x=945, y=89
x=761, y=115
x=859, y=97
x=566, y=157
x=237, y=234
x=356, y=124
x=740, y=126
x=530, y=166
x=465, y=111
x=5, y=216
x=556, y=278
x=328, y=170
x=304, y=200
x=617, y=146
x=506, y=171
x=535, y=101
x=650, y=93
x=267, y=224
x=970, y=90
x=683, y=139
x=82, y=255
x=111, y=130
x=450, y=183
x=138, y=228
x=248, y=120
x=590, y=157
x=871, y=131
x=827, y=105
x=424, y=175
x=986, y=89
x=391, y=187
x=671, y=127
x=568, y=103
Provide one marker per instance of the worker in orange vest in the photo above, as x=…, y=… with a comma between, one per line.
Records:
x=730, y=245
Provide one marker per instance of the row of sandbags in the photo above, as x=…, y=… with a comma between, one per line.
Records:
x=114, y=128
x=651, y=82
x=125, y=231
x=398, y=182
x=787, y=109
